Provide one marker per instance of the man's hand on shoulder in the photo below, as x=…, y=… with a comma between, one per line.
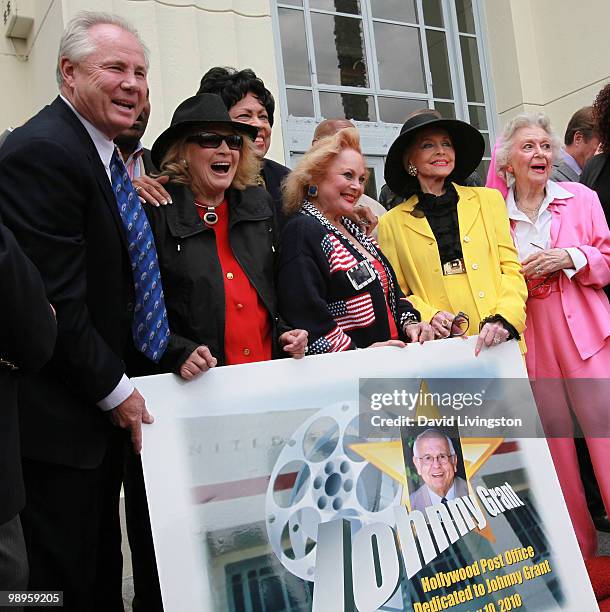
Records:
x=130, y=414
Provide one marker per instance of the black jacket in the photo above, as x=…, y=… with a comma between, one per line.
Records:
x=274, y=174
x=27, y=338
x=316, y=294
x=56, y=198
x=191, y=274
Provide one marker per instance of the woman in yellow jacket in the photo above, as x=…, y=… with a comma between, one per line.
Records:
x=451, y=246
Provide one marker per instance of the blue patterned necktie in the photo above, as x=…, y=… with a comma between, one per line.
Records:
x=150, y=329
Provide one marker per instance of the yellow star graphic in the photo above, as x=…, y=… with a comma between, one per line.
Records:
x=389, y=458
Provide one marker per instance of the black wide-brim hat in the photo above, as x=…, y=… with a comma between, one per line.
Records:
x=196, y=113
x=468, y=144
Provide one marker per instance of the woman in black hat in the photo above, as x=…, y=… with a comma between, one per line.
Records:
x=451, y=246
x=216, y=244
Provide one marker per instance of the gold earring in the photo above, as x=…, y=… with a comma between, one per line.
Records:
x=184, y=163
x=411, y=170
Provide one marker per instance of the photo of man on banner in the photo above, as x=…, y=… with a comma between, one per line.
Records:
x=438, y=462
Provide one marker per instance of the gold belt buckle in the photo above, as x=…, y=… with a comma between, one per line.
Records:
x=455, y=266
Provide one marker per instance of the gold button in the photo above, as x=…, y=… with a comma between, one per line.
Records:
x=466, y=238
x=246, y=352
x=475, y=266
x=481, y=294
x=230, y=275
x=239, y=306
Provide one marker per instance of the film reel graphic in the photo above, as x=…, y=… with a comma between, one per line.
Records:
x=318, y=478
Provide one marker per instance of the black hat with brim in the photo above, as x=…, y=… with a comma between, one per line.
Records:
x=468, y=144
x=196, y=113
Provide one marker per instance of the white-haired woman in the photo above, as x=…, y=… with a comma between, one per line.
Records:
x=564, y=245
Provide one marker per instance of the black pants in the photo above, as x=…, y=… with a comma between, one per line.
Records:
x=13, y=560
x=147, y=592
x=72, y=530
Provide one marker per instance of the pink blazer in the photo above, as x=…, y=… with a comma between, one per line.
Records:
x=580, y=222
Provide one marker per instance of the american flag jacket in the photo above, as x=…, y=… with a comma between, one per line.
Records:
x=315, y=291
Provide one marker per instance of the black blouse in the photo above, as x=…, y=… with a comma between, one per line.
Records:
x=441, y=213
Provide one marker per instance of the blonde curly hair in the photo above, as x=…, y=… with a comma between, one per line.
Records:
x=313, y=166
x=173, y=165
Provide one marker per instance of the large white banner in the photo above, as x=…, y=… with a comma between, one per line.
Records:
x=291, y=486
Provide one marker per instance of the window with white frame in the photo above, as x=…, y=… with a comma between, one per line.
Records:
x=375, y=62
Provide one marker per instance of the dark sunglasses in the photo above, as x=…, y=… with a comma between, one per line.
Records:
x=209, y=140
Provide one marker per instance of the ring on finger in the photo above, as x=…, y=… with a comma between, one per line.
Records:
x=497, y=340
x=445, y=323
x=138, y=188
x=537, y=269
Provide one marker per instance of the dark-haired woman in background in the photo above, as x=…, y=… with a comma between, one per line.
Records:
x=249, y=101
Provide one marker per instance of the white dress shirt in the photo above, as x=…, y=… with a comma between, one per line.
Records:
x=105, y=148
x=532, y=237
x=437, y=499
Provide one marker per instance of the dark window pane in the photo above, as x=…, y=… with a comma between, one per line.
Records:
x=238, y=594
x=396, y=10
x=298, y=593
x=446, y=109
x=255, y=596
x=339, y=49
x=300, y=103
x=433, y=13
x=294, y=47
x=439, y=64
x=465, y=16
x=348, y=106
x=478, y=117
x=396, y=110
x=340, y=6
x=273, y=594
x=402, y=71
x=487, y=147
x=482, y=169
x=472, y=69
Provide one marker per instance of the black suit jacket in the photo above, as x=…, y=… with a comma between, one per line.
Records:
x=273, y=174
x=56, y=197
x=27, y=337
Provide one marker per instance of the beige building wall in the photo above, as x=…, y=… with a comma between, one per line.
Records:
x=550, y=55
x=185, y=38
x=547, y=55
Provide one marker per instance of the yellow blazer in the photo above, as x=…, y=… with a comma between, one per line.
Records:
x=490, y=257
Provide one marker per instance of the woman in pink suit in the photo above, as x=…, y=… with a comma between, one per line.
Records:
x=564, y=245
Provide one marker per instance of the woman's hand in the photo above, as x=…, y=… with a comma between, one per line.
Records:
x=398, y=343
x=364, y=217
x=491, y=334
x=294, y=342
x=419, y=332
x=441, y=324
x=151, y=190
x=199, y=361
x=543, y=263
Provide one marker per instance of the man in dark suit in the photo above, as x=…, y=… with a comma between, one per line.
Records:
x=579, y=145
x=436, y=463
x=65, y=194
x=27, y=338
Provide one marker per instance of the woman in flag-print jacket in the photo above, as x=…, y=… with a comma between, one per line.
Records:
x=333, y=280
